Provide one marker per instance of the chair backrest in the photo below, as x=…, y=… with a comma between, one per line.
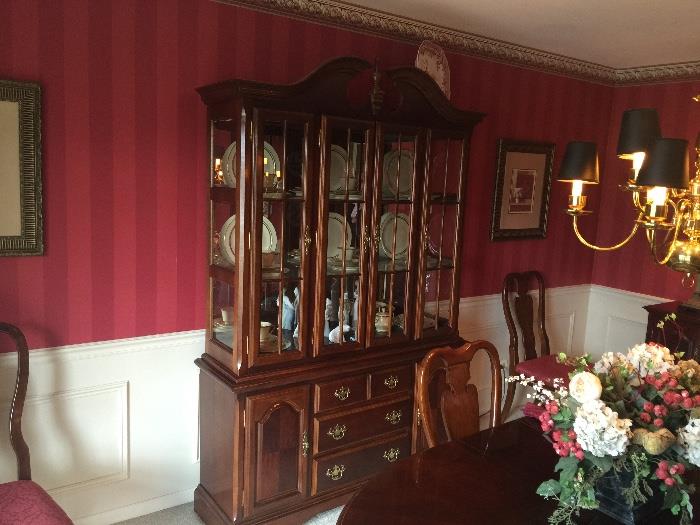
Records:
x=519, y=284
x=448, y=402
x=24, y=471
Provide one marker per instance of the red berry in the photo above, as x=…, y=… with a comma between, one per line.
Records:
x=663, y=464
x=553, y=409
x=661, y=473
x=665, y=376
x=680, y=468
x=579, y=455
x=669, y=398
x=670, y=482
x=556, y=435
x=677, y=398
x=659, y=422
x=648, y=406
x=673, y=470
x=659, y=410
x=688, y=403
x=685, y=393
x=673, y=382
x=571, y=434
x=645, y=417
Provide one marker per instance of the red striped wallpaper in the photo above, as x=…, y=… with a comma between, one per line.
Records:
x=125, y=154
x=632, y=267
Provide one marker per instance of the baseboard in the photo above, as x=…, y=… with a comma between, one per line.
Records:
x=138, y=509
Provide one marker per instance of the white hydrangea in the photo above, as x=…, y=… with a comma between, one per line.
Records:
x=689, y=439
x=599, y=430
x=649, y=358
x=610, y=360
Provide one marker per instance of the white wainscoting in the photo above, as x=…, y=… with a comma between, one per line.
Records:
x=112, y=426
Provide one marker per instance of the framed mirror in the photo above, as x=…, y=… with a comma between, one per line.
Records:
x=21, y=218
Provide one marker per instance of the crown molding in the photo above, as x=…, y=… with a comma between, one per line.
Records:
x=356, y=18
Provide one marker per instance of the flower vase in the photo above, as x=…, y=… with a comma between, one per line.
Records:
x=609, y=493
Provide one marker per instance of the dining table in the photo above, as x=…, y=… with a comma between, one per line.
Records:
x=489, y=478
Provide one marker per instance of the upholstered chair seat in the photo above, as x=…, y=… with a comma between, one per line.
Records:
x=26, y=503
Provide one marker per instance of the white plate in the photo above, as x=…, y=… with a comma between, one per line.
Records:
x=269, y=236
x=339, y=170
x=226, y=239
x=273, y=160
x=431, y=59
x=228, y=164
x=403, y=161
x=386, y=235
x=336, y=225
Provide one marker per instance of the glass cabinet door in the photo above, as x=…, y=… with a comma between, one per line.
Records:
x=224, y=167
x=281, y=248
x=343, y=234
x=390, y=301
x=438, y=281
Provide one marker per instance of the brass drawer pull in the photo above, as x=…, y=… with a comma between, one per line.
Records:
x=337, y=432
x=393, y=417
x=391, y=455
x=336, y=472
x=391, y=382
x=342, y=393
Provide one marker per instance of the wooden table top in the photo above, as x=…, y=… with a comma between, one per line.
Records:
x=489, y=478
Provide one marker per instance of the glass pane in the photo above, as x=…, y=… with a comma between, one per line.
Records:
x=347, y=173
x=389, y=319
x=269, y=317
x=224, y=158
x=394, y=237
x=289, y=317
x=430, y=306
x=444, y=168
x=398, y=163
x=344, y=237
x=441, y=243
x=223, y=242
x=222, y=312
x=341, y=309
x=445, y=304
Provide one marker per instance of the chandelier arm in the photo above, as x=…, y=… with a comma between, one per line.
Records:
x=652, y=237
x=607, y=248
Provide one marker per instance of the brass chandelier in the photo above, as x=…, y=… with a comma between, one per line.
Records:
x=666, y=200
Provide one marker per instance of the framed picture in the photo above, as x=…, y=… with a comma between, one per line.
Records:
x=521, y=197
x=21, y=218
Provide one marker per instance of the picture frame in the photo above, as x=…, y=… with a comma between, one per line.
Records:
x=21, y=215
x=522, y=188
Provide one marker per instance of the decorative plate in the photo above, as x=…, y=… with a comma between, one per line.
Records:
x=397, y=162
x=386, y=235
x=336, y=225
x=431, y=59
x=273, y=160
x=339, y=170
x=227, y=240
x=228, y=164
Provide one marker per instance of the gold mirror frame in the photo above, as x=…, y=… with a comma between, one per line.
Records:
x=30, y=241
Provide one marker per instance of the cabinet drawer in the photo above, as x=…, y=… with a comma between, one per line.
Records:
x=339, y=469
x=392, y=380
x=362, y=423
x=340, y=392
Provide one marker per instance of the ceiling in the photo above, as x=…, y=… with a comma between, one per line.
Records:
x=613, y=33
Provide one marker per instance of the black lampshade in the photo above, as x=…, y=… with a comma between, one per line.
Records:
x=638, y=131
x=666, y=164
x=580, y=163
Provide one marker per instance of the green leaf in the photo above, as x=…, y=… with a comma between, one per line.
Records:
x=568, y=467
x=549, y=488
x=604, y=463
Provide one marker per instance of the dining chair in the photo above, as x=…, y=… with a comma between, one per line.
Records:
x=447, y=400
x=519, y=311
x=23, y=501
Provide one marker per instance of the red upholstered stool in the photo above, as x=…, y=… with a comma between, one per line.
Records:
x=544, y=369
x=26, y=503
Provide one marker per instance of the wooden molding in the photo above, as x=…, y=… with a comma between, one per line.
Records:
x=356, y=18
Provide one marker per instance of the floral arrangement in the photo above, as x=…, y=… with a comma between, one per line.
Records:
x=637, y=413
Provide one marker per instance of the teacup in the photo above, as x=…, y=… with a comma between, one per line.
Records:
x=227, y=314
x=265, y=329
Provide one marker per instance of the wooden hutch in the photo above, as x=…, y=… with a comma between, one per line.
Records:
x=336, y=209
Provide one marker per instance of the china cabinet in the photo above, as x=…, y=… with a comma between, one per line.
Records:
x=336, y=210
